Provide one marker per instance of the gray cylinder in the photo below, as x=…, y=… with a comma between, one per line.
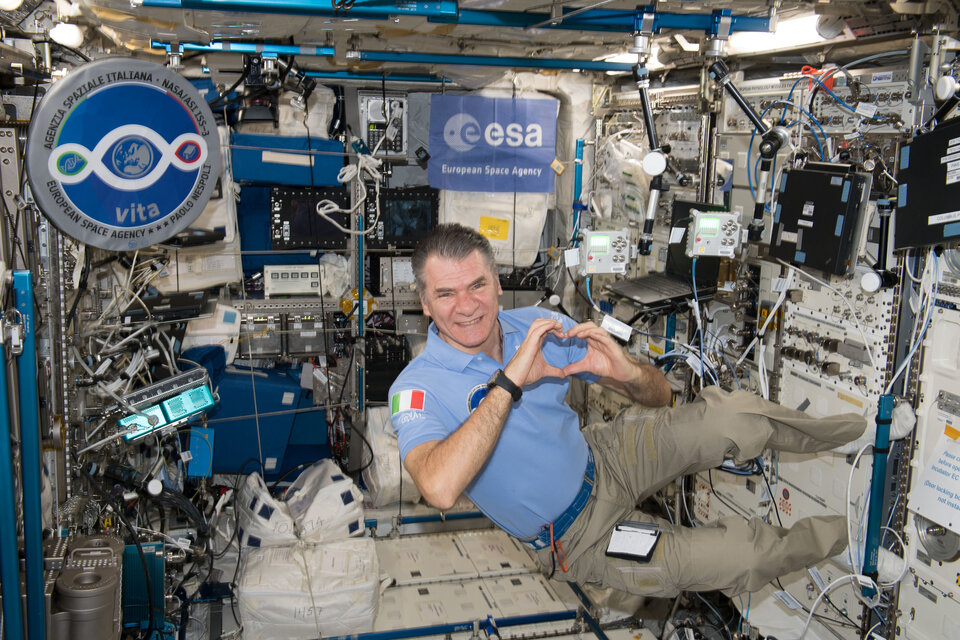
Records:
x=89, y=596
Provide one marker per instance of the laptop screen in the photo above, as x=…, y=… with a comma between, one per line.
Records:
x=678, y=264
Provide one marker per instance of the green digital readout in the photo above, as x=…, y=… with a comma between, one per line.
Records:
x=599, y=243
x=708, y=227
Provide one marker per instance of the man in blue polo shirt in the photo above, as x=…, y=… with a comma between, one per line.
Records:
x=482, y=411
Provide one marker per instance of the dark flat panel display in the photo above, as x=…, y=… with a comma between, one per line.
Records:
x=406, y=215
x=928, y=199
x=295, y=223
x=817, y=216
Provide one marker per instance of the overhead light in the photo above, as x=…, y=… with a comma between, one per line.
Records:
x=625, y=57
x=686, y=45
x=790, y=33
x=69, y=35
x=10, y=5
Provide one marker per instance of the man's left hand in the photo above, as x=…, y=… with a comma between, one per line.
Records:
x=604, y=358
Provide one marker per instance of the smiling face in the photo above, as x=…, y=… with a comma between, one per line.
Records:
x=462, y=299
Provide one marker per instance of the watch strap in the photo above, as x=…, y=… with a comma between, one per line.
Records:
x=501, y=380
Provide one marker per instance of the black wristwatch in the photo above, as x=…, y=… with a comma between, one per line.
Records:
x=500, y=379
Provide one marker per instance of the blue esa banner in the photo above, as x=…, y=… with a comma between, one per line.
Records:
x=492, y=144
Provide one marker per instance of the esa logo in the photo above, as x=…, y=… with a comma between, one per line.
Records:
x=462, y=133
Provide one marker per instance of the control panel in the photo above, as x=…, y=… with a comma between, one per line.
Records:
x=396, y=276
x=384, y=115
x=604, y=252
x=291, y=280
x=713, y=234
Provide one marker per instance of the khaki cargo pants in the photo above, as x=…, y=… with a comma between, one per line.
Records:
x=643, y=450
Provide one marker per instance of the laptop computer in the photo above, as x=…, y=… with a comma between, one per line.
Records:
x=675, y=284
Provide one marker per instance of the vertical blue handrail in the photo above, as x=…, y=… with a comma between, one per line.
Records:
x=578, y=207
x=881, y=449
x=30, y=457
x=9, y=561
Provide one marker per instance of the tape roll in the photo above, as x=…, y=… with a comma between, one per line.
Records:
x=122, y=154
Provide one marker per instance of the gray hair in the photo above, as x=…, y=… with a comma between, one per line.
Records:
x=453, y=241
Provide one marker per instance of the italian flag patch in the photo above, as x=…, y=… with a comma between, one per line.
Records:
x=406, y=400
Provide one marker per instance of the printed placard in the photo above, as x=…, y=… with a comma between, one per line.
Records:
x=492, y=144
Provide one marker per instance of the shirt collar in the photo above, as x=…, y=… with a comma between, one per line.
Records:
x=451, y=357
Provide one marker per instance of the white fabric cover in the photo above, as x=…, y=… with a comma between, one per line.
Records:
x=512, y=222
x=293, y=121
x=325, y=504
x=322, y=504
x=384, y=473
x=304, y=591
x=264, y=521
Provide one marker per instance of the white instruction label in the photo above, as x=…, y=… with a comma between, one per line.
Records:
x=866, y=109
x=881, y=76
x=571, y=257
x=938, y=497
x=788, y=236
x=940, y=218
x=183, y=543
x=287, y=399
x=676, y=234
x=695, y=364
x=779, y=284
x=616, y=328
x=788, y=600
x=270, y=464
x=952, y=156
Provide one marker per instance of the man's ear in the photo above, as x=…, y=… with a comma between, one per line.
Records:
x=423, y=305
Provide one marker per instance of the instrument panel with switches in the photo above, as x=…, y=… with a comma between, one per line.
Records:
x=604, y=252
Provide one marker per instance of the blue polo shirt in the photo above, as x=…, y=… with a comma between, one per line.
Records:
x=536, y=468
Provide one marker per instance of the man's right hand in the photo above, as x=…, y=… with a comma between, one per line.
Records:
x=527, y=365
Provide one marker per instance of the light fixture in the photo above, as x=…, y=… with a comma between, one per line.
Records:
x=626, y=57
x=789, y=33
x=69, y=35
x=10, y=5
x=686, y=45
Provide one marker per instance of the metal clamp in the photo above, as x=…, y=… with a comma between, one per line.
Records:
x=13, y=330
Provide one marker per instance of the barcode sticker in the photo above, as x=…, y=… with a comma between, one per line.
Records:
x=788, y=600
x=676, y=234
x=817, y=578
x=186, y=456
x=571, y=257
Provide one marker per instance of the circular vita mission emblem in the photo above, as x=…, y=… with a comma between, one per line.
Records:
x=123, y=154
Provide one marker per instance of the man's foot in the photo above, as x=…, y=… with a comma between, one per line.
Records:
x=889, y=566
x=904, y=418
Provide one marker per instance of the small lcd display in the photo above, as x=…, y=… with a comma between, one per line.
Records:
x=709, y=227
x=599, y=244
